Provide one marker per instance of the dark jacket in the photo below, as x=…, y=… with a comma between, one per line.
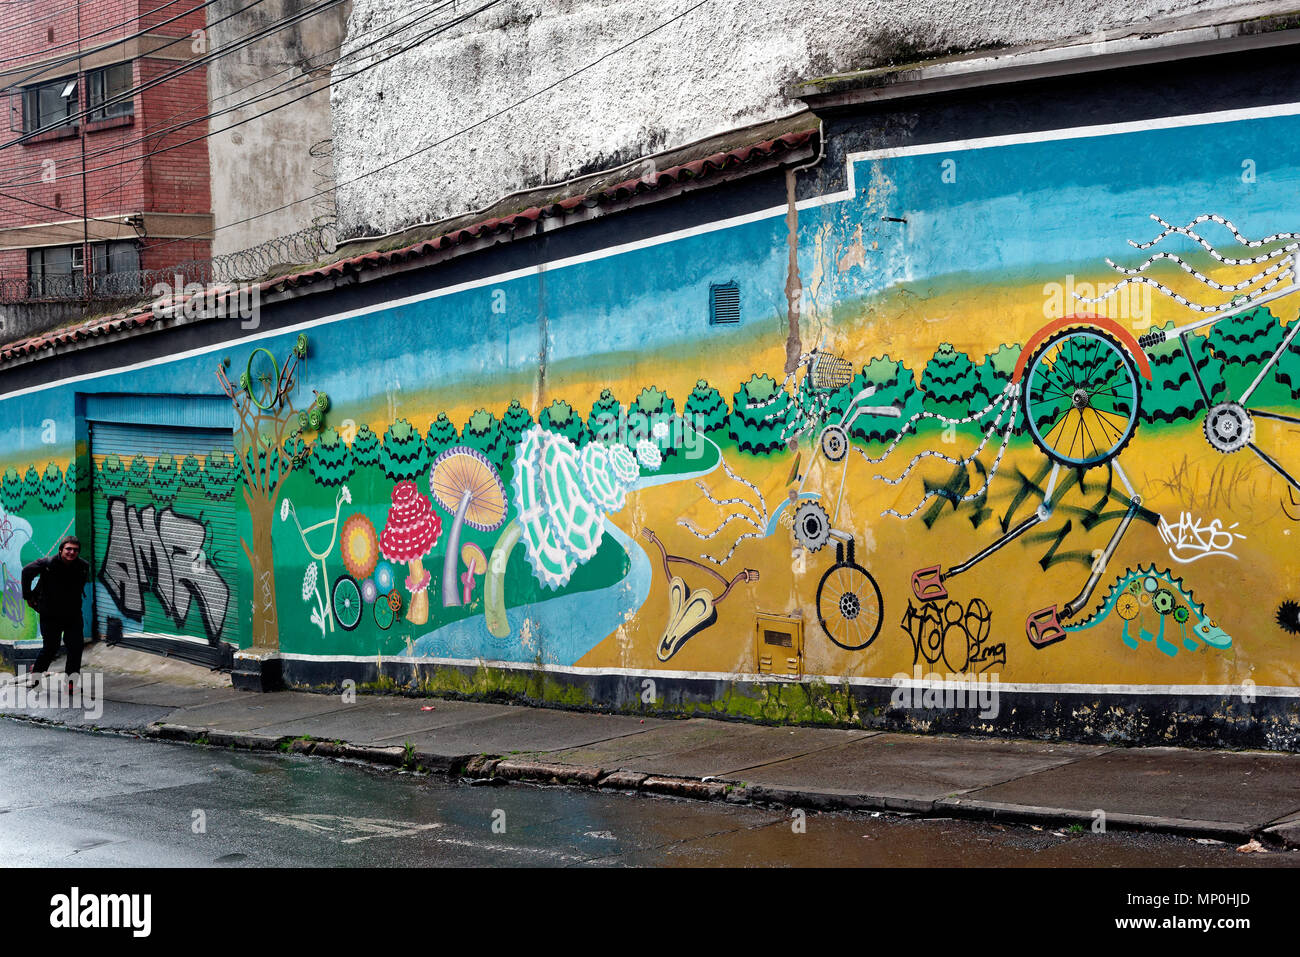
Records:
x=59, y=592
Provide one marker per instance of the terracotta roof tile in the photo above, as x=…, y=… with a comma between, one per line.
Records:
x=714, y=163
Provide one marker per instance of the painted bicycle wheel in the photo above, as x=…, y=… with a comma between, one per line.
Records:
x=849, y=606
x=1081, y=397
x=346, y=600
x=384, y=614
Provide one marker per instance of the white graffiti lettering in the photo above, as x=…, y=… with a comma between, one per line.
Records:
x=1189, y=540
x=162, y=552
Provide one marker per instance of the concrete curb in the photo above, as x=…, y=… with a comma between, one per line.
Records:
x=1227, y=831
x=485, y=768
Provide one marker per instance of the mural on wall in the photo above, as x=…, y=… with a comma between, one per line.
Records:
x=269, y=449
x=15, y=532
x=1036, y=460
x=162, y=551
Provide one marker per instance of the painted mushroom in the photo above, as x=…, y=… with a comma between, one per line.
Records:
x=475, y=564
x=465, y=484
x=411, y=532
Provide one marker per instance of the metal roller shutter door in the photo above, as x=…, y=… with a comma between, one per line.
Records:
x=166, y=543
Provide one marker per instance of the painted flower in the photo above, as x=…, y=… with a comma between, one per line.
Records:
x=648, y=454
x=347, y=495
x=368, y=591
x=309, y=582
x=284, y=510
x=359, y=545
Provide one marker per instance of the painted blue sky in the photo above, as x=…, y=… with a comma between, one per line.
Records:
x=1031, y=211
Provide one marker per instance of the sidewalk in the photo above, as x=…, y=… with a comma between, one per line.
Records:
x=1231, y=796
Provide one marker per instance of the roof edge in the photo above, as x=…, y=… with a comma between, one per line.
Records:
x=440, y=241
x=1136, y=46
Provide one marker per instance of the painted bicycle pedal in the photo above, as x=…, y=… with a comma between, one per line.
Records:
x=1044, y=627
x=927, y=584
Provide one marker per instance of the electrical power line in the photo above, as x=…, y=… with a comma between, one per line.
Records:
x=27, y=24
x=278, y=106
x=44, y=67
x=178, y=71
x=451, y=136
x=157, y=129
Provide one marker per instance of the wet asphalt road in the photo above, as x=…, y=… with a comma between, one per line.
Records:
x=73, y=799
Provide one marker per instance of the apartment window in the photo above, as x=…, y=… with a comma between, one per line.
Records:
x=50, y=104
x=58, y=271
x=50, y=271
x=106, y=86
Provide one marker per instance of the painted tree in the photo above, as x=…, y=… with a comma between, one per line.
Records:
x=1287, y=373
x=1243, y=343
x=895, y=385
x=52, y=493
x=403, y=456
x=365, y=447
x=515, y=422
x=31, y=482
x=266, y=415
x=112, y=474
x=483, y=433
x=560, y=418
x=11, y=491
x=1172, y=395
x=706, y=409
x=191, y=472
x=995, y=375
x=761, y=417
x=138, y=473
x=164, y=479
x=219, y=476
x=652, y=407
x=603, y=422
x=442, y=436
x=70, y=477
x=331, y=460
x=951, y=384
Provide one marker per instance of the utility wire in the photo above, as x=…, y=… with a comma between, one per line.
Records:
x=279, y=106
x=284, y=86
x=451, y=136
x=112, y=43
x=178, y=71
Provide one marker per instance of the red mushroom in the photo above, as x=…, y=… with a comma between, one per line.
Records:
x=411, y=532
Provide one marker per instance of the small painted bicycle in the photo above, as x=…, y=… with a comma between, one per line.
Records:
x=849, y=603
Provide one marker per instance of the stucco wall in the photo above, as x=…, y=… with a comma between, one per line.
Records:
x=266, y=162
x=718, y=67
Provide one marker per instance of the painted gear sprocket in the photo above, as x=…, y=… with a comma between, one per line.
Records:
x=812, y=526
x=834, y=443
x=1229, y=427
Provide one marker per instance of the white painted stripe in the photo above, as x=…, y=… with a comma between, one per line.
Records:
x=494, y=280
x=1012, y=139
x=1008, y=686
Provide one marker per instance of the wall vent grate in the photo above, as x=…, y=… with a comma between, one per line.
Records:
x=724, y=303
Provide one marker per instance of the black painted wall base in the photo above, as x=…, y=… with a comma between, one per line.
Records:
x=1214, y=721
x=254, y=671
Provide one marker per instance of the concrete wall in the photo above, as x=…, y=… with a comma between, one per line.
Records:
x=266, y=162
x=718, y=67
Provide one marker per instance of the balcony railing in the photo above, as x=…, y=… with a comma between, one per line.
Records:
x=305, y=246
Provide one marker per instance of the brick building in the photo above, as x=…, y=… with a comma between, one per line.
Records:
x=97, y=179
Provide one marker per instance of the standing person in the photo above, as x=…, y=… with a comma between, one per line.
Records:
x=57, y=599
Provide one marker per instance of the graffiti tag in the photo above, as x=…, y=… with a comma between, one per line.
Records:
x=958, y=636
x=11, y=596
x=1190, y=540
x=163, y=552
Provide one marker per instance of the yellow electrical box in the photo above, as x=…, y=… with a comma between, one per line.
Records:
x=778, y=646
